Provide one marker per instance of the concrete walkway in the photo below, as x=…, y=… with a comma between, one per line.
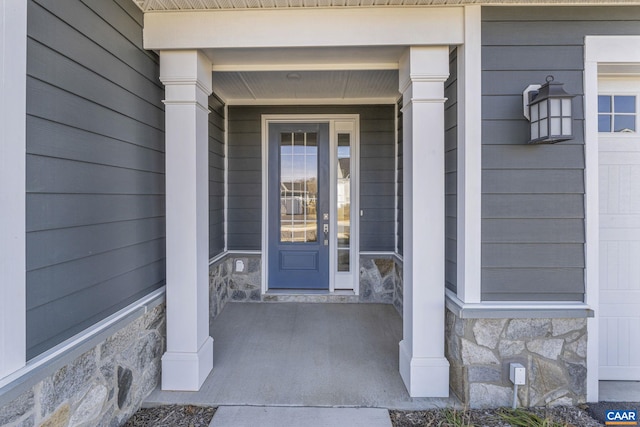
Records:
x=243, y=416
x=304, y=355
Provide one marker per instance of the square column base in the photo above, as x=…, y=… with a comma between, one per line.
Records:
x=424, y=376
x=187, y=371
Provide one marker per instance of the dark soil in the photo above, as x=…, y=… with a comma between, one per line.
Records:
x=566, y=416
x=198, y=416
x=172, y=416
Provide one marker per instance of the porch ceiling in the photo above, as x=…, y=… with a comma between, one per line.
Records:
x=330, y=85
x=165, y=5
x=339, y=74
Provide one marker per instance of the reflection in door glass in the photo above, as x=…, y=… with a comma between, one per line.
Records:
x=344, y=200
x=298, y=187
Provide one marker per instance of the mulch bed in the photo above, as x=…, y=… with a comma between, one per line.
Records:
x=172, y=416
x=569, y=416
x=199, y=416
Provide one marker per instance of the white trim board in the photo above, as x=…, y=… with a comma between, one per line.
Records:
x=13, y=80
x=469, y=197
x=516, y=309
x=599, y=50
x=389, y=26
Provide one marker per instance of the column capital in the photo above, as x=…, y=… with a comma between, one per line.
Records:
x=186, y=67
x=423, y=64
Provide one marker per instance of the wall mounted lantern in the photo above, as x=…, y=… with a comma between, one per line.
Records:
x=548, y=108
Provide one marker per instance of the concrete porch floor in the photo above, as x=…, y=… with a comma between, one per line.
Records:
x=304, y=354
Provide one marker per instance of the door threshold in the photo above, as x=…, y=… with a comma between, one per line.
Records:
x=308, y=292
x=310, y=296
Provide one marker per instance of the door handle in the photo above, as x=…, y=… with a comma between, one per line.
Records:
x=325, y=229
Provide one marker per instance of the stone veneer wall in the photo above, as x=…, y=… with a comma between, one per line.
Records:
x=553, y=351
x=380, y=282
x=225, y=284
x=102, y=387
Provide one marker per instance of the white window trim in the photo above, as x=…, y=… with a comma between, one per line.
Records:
x=13, y=80
x=355, y=195
x=598, y=50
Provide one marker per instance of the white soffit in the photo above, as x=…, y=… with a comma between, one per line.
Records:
x=176, y=5
x=331, y=85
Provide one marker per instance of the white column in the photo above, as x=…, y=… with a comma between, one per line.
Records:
x=189, y=357
x=423, y=366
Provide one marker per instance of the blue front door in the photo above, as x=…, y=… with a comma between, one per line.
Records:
x=298, y=206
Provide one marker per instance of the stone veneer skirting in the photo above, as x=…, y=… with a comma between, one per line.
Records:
x=553, y=351
x=102, y=387
x=380, y=282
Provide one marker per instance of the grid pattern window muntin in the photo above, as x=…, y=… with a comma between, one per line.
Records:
x=617, y=113
x=298, y=187
x=558, y=111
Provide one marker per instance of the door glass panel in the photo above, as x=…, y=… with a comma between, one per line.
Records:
x=344, y=201
x=298, y=187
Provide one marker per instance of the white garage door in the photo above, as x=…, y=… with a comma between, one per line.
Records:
x=619, y=154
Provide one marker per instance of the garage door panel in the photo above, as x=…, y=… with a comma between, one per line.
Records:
x=619, y=192
x=619, y=267
x=617, y=311
x=616, y=144
x=614, y=158
x=619, y=221
x=628, y=235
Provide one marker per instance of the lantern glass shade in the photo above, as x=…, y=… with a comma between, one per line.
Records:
x=550, y=112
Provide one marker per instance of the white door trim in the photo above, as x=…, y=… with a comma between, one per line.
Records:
x=599, y=50
x=13, y=116
x=336, y=122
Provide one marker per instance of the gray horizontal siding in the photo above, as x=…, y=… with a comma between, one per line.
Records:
x=216, y=176
x=451, y=172
x=533, y=196
x=95, y=166
x=377, y=178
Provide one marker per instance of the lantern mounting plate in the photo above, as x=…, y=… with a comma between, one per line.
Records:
x=526, y=99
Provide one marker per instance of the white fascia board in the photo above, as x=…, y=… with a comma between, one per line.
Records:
x=312, y=27
x=13, y=78
x=599, y=50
